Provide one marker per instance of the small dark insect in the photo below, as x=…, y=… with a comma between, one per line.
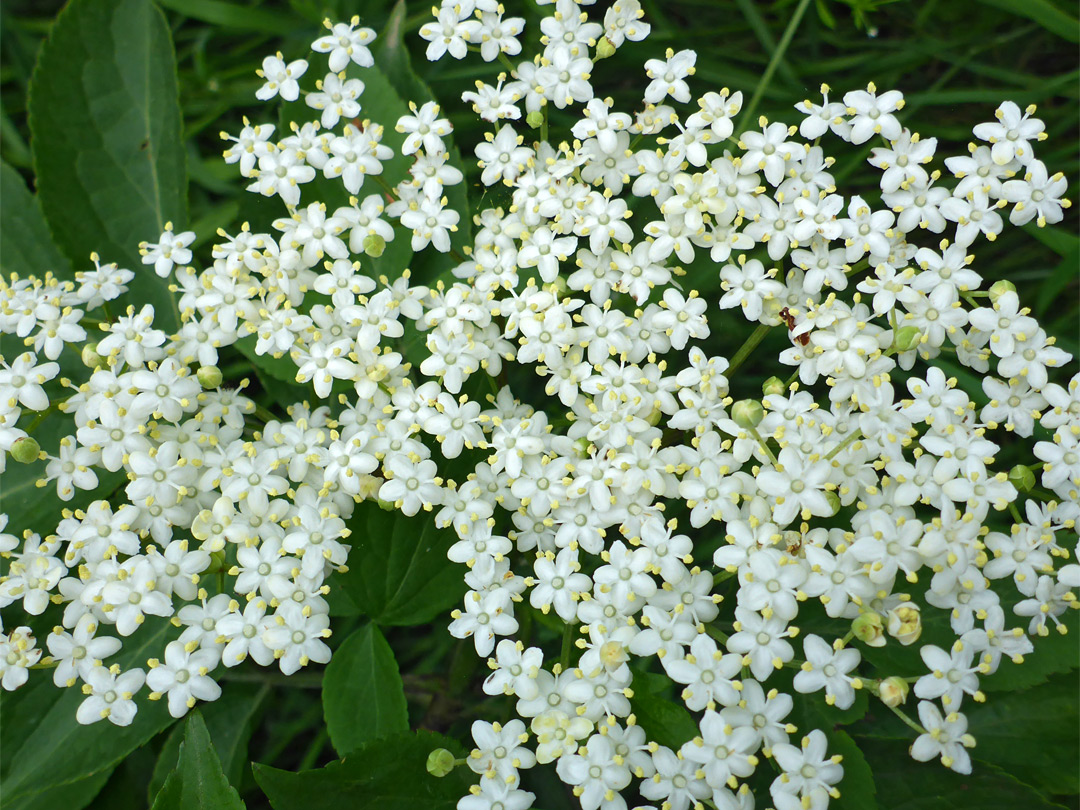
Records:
x=789, y=319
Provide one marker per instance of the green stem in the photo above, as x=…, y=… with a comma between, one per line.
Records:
x=774, y=63
x=832, y=453
x=316, y=747
x=567, y=644
x=908, y=721
x=744, y=351
x=764, y=446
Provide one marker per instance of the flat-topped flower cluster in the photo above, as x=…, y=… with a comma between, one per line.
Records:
x=866, y=484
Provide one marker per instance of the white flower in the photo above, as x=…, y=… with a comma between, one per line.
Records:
x=183, y=677
x=171, y=250
x=1011, y=135
x=827, y=668
x=110, y=695
x=281, y=78
x=346, y=43
x=668, y=76
x=946, y=737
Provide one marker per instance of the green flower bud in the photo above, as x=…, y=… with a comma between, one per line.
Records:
x=773, y=387
x=893, y=691
x=440, y=762
x=25, y=450
x=869, y=628
x=1022, y=478
x=90, y=357
x=534, y=119
x=999, y=288
x=604, y=49
x=833, y=499
x=374, y=245
x=386, y=506
x=209, y=377
x=654, y=417
x=747, y=413
x=581, y=447
x=907, y=338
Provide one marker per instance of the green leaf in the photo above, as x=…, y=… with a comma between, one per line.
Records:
x=663, y=718
x=386, y=774
x=392, y=57
x=198, y=783
x=26, y=246
x=1032, y=733
x=1054, y=19
x=234, y=15
x=229, y=719
x=63, y=764
x=105, y=122
x=362, y=695
x=910, y=785
x=398, y=572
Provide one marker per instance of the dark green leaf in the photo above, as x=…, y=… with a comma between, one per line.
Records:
x=908, y=785
x=229, y=720
x=106, y=137
x=363, y=697
x=1045, y=13
x=26, y=246
x=59, y=761
x=398, y=572
x=663, y=718
x=234, y=15
x=387, y=774
x=1032, y=733
x=198, y=782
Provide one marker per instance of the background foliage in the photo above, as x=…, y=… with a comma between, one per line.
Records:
x=103, y=163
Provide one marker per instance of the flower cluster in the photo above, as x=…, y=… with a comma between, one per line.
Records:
x=856, y=499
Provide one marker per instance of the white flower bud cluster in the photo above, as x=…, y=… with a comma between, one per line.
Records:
x=578, y=279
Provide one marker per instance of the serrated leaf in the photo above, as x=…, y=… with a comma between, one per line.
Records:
x=386, y=774
x=362, y=694
x=26, y=246
x=59, y=760
x=106, y=132
x=198, y=783
x=398, y=572
x=229, y=721
x=1032, y=733
x=908, y=785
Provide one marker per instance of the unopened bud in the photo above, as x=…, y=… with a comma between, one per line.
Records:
x=386, y=506
x=604, y=48
x=893, y=691
x=25, y=450
x=374, y=245
x=654, y=417
x=1022, y=478
x=999, y=288
x=747, y=413
x=907, y=338
x=869, y=628
x=440, y=762
x=905, y=624
x=90, y=357
x=534, y=119
x=581, y=447
x=369, y=486
x=209, y=377
x=773, y=387
x=834, y=501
